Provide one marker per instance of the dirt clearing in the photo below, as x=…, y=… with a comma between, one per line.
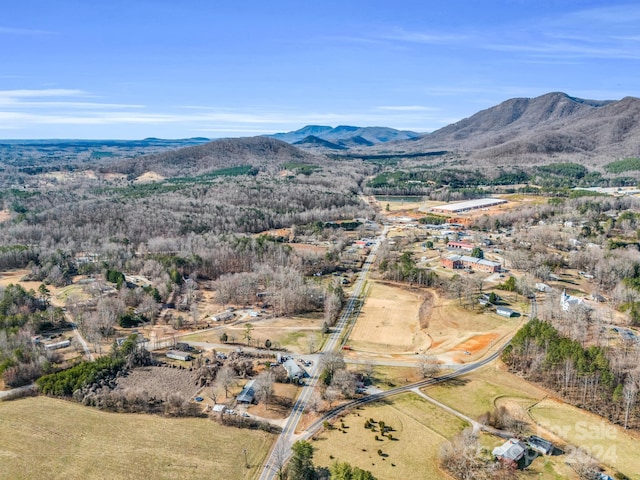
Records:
x=158, y=381
x=389, y=322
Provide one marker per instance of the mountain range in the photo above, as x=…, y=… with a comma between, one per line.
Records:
x=343, y=136
x=551, y=127
x=554, y=127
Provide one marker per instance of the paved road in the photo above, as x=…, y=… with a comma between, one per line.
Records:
x=7, y=393
x=288, y=436
x=80, y=338
x=315, y=426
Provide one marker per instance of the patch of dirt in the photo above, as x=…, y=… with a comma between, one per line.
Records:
x=305, y=247
x=158, y=381
x=148, y=177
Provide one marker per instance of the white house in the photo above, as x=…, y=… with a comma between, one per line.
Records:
x=543, y=287
x=567, y=301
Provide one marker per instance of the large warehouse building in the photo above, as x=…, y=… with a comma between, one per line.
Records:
x=469, y=205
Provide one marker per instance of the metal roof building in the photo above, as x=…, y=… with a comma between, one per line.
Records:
x=247, y=394
x=511, y=451
x=469, y=205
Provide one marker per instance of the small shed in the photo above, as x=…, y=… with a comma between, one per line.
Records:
x=219, y=408
x=505, y=312
x=540, y=445
x=178, y=355
x=57, y=345
x=248, y=394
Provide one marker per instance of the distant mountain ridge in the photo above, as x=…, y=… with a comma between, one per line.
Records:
x=343, y=136
x=554, y=125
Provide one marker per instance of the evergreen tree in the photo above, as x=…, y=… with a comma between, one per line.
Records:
x=301, y=463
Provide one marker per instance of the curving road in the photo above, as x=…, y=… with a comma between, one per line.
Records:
x=315, y=426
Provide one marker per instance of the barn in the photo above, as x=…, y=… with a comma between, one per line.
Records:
x=506, y=312
x=178, y=355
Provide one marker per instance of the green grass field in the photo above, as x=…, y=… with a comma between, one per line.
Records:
x=610, y=444
x=42, y=437
x=419, y=430
x=483, y=389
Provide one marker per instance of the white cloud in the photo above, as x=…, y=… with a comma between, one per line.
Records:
x=407, y=108
x=436, y=38
x=24, y=31
x=43, y=93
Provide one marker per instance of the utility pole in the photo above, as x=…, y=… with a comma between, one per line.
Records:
x=246, y=462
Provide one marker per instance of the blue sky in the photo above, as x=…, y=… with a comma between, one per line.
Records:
x=174, y=69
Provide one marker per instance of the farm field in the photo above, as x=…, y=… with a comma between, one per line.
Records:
x=411, y=418
x=48, y=438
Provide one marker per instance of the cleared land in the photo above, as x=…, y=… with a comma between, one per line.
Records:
x=158, y=381
x=484, y=389
x=389, y=326
x=296, y=334
x=389, y=322
x=47, y=438
x=419, y=428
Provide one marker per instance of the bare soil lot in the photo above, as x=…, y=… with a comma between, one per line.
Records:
x=158, y=381
x=389, y=322
x=47, y=438
x=389, y=326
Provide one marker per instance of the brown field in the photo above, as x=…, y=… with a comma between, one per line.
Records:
x=58, y=295
x=158, y=381
x=47, y=438
x=15, y=277
x=148, y=177
x=388, y=325
x=419, y=428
